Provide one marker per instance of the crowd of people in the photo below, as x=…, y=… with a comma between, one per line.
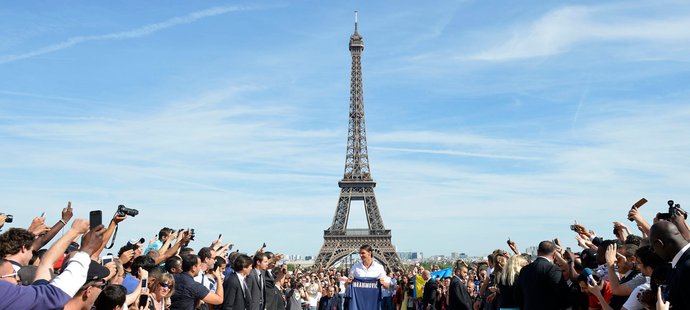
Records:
x=646, y=269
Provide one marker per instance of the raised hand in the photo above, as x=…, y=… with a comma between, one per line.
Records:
x=38, y=226
x=81, y=226
x=92, y=240
x=67, y=212
x=610, y=255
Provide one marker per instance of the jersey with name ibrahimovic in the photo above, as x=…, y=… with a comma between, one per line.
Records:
x=364, y=294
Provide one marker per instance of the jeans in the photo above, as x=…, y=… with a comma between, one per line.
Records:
x=387, y=303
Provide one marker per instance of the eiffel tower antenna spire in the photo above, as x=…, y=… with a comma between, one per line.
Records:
x=357, y=184
x=356, y=21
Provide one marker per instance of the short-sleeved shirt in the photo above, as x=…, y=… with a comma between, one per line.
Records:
x=157, y=245
x=638, y=280
x=187, y=292
x=31, y=296
x=594, y=301
x=374, y=271
x=633, y=303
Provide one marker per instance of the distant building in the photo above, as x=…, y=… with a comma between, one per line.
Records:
x=531, y=251
x=456, y=255
x=309, y=257
x=411, y=256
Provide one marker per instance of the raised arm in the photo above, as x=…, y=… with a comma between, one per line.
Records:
x=42, y=240
x=108, y=233
x=79, y=227
x=183, y=238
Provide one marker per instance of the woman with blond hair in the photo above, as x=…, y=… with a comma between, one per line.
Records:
x=505, y=284
x=160, y=290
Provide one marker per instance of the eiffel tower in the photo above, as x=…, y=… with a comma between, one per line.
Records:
x=357, y=184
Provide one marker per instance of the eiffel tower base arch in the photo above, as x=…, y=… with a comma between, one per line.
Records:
x=336, y=247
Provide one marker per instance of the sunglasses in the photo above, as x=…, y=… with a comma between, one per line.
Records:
x=11, y=275
x=167, y=285
x=100, y=284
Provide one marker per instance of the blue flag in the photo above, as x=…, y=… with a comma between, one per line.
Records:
x=364, y=294
x=443, y=273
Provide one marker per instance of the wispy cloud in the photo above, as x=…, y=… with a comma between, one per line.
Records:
x=129, y=34
x=562, y=29
x=455, y=153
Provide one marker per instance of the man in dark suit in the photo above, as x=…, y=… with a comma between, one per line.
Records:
x=237, y=293
x=540, y=285
x=256, y=281
x=670, y=245
x=430, y=295
x=458, y=297
x=331, y=301
x=273, y=293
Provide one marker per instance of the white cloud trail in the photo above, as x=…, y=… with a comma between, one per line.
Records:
x=129, y=34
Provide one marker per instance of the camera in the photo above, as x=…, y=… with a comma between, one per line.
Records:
x=191, y=234
x=672, y=209
x=122, y=211
x=8, y=217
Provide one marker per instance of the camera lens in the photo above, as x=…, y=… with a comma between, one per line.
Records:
x=122, y=210
x=9, y=218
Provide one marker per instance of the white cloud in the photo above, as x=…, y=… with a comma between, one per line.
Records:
x=129, y=34
x=563, y=29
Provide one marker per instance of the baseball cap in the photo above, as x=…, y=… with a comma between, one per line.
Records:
x=96, y=272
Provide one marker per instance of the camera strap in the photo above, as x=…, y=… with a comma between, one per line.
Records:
x=112, y=241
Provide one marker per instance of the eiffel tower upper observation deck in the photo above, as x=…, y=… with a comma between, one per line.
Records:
x=357, y=184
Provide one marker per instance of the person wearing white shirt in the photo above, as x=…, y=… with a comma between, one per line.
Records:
x=369, y=268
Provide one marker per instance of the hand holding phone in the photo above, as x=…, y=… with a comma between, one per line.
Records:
x=95, y=218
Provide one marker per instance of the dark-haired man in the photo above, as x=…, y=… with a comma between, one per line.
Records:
x=670, y=245
x=237, y=293
x=458, y=296
x=369, y=268
x=111, y=298
x=15, y=247
x=188, y=293
x=256, y=281
x=331, y=301
x=540, y=285
x=163, y=235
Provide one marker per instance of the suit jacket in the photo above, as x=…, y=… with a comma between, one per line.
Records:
x=458, y=297
x=234, y=298
x=256, y=289
x=275, y=299
x=541, y=286
x=679, y=283
x=430, y=294
x=332, y=303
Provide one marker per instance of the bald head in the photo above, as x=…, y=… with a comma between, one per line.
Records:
x=426, y=274
x=666, y=240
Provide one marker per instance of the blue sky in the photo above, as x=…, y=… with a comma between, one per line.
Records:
x=485, y=120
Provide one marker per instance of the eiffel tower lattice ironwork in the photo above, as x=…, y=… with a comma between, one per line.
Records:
x=357, y=184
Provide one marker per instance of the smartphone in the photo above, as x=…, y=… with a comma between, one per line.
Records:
x=143, y=300
x=95, y=218
x=591, y=280
x=144, y=283
x=637, y=205
x=43, y=214
x=264, y=245
x=106, y=259
x=220, y=236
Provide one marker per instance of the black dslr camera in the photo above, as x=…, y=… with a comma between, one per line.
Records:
x=672, y=209
x=122, y=211
x=9, y=218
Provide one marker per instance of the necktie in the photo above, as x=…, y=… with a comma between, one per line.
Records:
x=245, y=289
